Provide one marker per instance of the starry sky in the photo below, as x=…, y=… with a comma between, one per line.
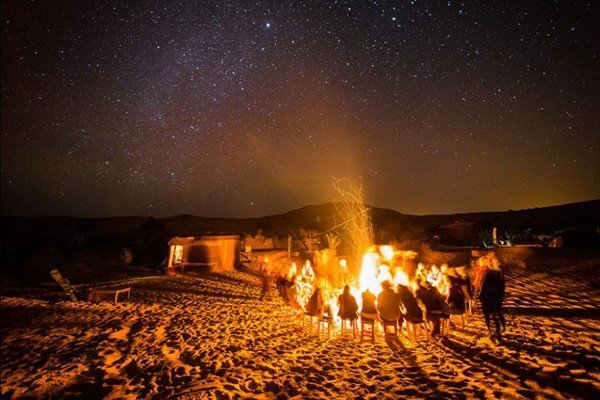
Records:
x=249, y=108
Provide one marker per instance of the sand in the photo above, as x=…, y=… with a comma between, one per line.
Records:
x=208, y=336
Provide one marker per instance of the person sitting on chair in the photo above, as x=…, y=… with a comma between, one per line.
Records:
x=433, y=305
x=456, y=297
x=413, y=313
x=465, y=283
x=388, y=304
x=368, y=310
x=316, y=305
x=348, y=306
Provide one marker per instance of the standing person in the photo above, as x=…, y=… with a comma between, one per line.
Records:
x=388, y=304
x=492, y=296
x=368, y=310
x=483, y=264
x=348, y=305
x=265, y=279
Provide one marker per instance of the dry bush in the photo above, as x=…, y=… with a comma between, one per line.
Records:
x=356, y=221
x=327, y=266
x=258, y=241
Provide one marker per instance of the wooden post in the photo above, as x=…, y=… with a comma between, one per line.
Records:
x=171, y=251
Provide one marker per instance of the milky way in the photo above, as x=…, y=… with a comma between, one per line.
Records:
x=250, y=108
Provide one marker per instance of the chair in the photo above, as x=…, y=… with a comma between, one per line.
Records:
x=311, y=320
x=353, y=326
x=64, y=284
x=462, y=319
x=324, y=320
x=94, y=294
x=444, y=324
x=414, y=329
x=98, y=294
x=365, y=322
x=386, y=324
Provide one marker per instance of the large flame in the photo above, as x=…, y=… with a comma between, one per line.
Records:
x=372, y=274
x=368, y=273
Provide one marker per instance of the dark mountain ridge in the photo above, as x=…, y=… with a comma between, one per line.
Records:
x=33, y=246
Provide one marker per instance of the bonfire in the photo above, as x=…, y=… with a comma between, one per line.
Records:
x=368, y=266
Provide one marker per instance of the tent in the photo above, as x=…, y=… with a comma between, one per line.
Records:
x=214, y=253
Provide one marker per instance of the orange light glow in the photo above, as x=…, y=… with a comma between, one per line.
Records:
x=387, y=252
x=368, y=274
x=384, y=274
x=400, y=278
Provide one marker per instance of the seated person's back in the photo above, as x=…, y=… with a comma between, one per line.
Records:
x=456, y=297
x=315, y=305
x=388, y=304
x=413, y=311
x=348, y=306
x=368, y=305
x=431, y=302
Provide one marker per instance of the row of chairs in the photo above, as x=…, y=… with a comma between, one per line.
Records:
x=368, y=327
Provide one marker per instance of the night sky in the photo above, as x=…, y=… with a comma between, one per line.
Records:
x=250, y=108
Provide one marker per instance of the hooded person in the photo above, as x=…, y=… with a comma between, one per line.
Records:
x=348, y=307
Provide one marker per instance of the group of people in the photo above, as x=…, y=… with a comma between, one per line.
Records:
x=439, y=291
x=294, y=286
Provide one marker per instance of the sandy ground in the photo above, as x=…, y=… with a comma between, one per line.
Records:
x=208, y=336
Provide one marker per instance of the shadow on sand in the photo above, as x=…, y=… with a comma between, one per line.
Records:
x=554, y=312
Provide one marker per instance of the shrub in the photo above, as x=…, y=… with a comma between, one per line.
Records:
x=126, y=257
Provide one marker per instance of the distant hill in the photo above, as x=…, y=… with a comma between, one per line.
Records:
x=33, y=245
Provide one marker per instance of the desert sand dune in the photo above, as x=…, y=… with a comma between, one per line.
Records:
x=208, y=336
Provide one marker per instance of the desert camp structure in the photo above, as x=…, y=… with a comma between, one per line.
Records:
x=210, y=252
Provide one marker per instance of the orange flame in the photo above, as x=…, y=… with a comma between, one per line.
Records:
x=368, y=274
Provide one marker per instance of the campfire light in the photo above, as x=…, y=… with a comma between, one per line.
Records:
x=387, y=252
x=307, y=271
x=384, y=274
x=292, y=272
x=400, y=278
x=368, y=273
